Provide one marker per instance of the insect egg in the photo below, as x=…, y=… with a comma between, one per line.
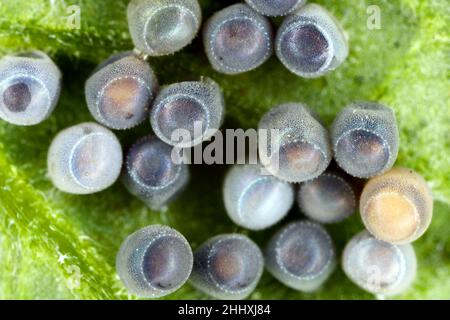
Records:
x=163, y=27
x=299, y=150
x=301, y=255
x=84, y=159
x=310, y=42
x=238, y=39
x=30, y=85
x=329, y=198
x=195, y=110
x=273, y=8
x=397, y=206
x=365, y=139
x=152, y=174
x=120, y=91
x=154, y=261
x=377, y=266
x=227, y=267
x=255, y=201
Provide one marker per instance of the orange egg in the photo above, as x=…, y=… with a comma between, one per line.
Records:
x=397, y=206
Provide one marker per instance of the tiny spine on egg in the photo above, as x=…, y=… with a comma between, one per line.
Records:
x=301, y=255
x=194, y=108
x=397, y=207
x=152, y=174
x=238, y=39
x=302, y=150
x=310, y=42
x=120, y=91
x=84, y=159
x=163, y=27
x=254, y=200
x=154, y=261
x=227, y=267
x=30, y=86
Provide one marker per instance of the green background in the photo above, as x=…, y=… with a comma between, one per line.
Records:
x=46, y=236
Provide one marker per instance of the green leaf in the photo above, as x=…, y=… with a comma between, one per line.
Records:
x=54, y=245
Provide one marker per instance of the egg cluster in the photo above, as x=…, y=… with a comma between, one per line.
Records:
x=395, y=204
